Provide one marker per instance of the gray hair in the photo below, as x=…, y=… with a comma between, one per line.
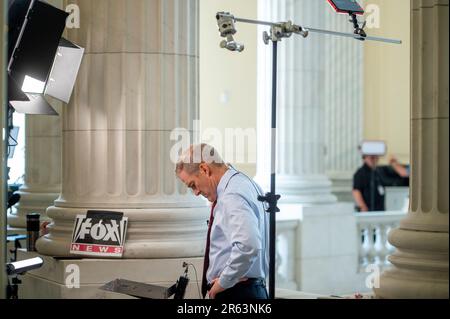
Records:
x=196, y=154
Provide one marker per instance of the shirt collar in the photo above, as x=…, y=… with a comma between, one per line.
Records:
x=224, y=180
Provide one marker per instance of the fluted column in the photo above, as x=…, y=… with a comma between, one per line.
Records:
x=300, y=104
x=42, y=181
x=343, y=93
x=421, y=258
x=137, y=83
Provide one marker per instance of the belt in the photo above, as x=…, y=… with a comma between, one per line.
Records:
x=249, y=281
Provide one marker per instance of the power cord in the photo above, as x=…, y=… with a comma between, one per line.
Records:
x=185, y=264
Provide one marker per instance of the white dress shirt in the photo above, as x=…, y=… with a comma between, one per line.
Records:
x=239, y=245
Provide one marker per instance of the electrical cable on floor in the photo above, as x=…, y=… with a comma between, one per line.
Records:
x=196, y=279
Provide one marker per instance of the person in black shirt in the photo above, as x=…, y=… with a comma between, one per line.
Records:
x=370, y=180
x=368, y=188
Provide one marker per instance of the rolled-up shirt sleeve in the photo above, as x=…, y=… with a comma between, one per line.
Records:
x=358, y=181
x=245, y=239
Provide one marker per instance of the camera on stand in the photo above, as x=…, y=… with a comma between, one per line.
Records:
x=15, y=268
x=19, y=268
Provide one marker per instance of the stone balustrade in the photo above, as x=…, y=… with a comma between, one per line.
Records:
x=372, y=237
x=286, y=253
x=329, y=252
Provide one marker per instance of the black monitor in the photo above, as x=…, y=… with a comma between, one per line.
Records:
x=346, y=6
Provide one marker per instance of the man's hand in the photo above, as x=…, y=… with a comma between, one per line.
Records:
x=359, y=200
x=215, y=289
x=43, y=229
x=398, y=168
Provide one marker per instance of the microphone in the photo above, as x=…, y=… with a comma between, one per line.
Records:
x=13, y=200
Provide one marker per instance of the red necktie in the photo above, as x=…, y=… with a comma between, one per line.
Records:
x=206, y=259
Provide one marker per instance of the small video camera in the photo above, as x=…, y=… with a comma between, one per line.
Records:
x=377, y=148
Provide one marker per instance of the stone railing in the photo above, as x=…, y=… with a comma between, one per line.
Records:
x=286, y=253
x=331, y=250
x=397, y=198
x=372, y=237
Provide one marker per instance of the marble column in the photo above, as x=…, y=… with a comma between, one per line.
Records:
x=42, y=181
x=343, y=115
x=138, y=82
x=300, y=166
x=421, y=241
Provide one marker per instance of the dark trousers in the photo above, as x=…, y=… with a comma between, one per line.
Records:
x=250, y=289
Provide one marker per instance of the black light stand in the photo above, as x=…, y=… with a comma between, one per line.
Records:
x=272, y=198
x=225, y=21
x=277, y=32
x=12, y=290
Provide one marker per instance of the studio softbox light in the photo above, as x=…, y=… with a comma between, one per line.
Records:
x=42, y=63
x=64, y=72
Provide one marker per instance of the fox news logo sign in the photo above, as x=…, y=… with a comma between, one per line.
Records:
x=99, y=233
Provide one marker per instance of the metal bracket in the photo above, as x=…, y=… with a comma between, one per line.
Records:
x=283, y=30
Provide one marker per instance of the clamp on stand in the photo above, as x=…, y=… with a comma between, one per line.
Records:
x=359, y=30
x=283, y=30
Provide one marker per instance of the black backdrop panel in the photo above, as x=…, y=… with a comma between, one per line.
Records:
x=39, y=43
x=16, y=16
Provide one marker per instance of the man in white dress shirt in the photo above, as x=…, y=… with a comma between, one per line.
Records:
x=236, y=254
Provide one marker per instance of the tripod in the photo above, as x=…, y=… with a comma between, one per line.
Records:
x=12, y=290
x=225, y=21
